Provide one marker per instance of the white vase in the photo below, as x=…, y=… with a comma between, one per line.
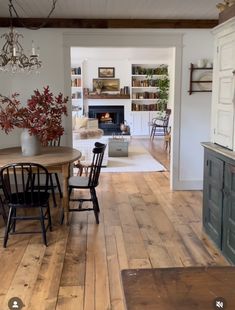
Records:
x=30, y=144
x=201, y=63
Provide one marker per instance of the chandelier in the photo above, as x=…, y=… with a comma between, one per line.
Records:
x=12, y=55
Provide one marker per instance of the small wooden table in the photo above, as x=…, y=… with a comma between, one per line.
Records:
x=55, y=159
x=190, y=288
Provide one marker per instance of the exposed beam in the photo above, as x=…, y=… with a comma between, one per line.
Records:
x=111, y=23
x=227, y=14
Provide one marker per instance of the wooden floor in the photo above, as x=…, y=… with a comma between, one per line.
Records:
x=142, y=224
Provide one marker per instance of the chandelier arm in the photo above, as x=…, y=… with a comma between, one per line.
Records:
x=31, y=27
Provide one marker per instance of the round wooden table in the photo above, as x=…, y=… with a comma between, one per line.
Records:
x=55, y=159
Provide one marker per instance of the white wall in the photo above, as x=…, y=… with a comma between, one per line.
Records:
x=191, y=113
x=195, y=109
x=52, y=72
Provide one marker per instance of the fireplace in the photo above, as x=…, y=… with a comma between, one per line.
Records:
x=109, y=118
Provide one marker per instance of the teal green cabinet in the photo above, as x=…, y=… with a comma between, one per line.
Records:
x=213, y=197
x=219, y=198
x=228, y=242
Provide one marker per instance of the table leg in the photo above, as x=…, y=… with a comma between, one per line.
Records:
x=65, y=201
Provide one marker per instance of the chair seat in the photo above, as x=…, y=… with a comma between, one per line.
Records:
x=78, y=181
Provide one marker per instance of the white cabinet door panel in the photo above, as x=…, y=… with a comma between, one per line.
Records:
x=136, y=123
x=224, y=128
x=145, y=123
x=226, y=56
x=223, y=86
x=226, y=90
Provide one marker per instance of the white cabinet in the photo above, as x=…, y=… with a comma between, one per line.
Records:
x=223, y=85
x=140, y=123
x=77, y=90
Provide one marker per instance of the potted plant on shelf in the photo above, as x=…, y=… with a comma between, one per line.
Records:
x=40, y=119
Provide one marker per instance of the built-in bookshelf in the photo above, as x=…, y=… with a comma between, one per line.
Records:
x=77, y=90
x=149, y=87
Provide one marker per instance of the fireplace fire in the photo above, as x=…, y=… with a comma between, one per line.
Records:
x=109, y=118
x=105, y=118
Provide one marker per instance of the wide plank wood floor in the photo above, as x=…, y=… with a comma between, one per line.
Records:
x=142, y=224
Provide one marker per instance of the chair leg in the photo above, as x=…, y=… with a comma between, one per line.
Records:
x=49, y=217
x=58, y=185
x=96, y=200
x=70, y=191
x=3, y=211
x=52, y=191
x=43, y=226
x=8, y=227
x=62, y=216
x=14, y=220
x=95, y=204
x=153, y=132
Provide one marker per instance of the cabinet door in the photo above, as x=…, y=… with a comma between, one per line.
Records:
x=136, y=123
x=228, y=246
x=223, y=89
x=213, y=197
x=140, y=123
x=145, y=123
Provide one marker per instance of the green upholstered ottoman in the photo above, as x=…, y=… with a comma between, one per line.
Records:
x=118, y=148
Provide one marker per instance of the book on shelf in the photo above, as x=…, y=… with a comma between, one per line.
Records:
x=145, y=95
x=76, y=71
x=144, y=107
x=76, y=83
x=76, y=95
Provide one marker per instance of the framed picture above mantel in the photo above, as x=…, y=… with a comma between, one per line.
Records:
x=106, y=72
x=109, y=85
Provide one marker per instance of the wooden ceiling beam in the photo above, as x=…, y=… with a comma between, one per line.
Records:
x=227, y=14
x=111, y=23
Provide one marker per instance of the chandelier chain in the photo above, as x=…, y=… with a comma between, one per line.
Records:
x=33, y=27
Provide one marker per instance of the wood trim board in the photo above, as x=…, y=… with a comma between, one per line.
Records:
x=110, y=23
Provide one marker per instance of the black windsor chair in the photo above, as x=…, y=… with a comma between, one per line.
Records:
x=89, y=182
x=22, y=186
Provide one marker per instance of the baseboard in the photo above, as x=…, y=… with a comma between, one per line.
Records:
x=183, y=185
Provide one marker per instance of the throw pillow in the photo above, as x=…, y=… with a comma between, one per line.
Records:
x=80, y=122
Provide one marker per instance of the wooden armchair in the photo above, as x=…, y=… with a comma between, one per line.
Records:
x=160, y=122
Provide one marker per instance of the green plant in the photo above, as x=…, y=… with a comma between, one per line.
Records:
x=164, y=88
x=162, y=105
x=161, y=70
x=149, y=73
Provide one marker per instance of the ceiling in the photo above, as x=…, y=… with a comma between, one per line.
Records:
x=115, y=9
